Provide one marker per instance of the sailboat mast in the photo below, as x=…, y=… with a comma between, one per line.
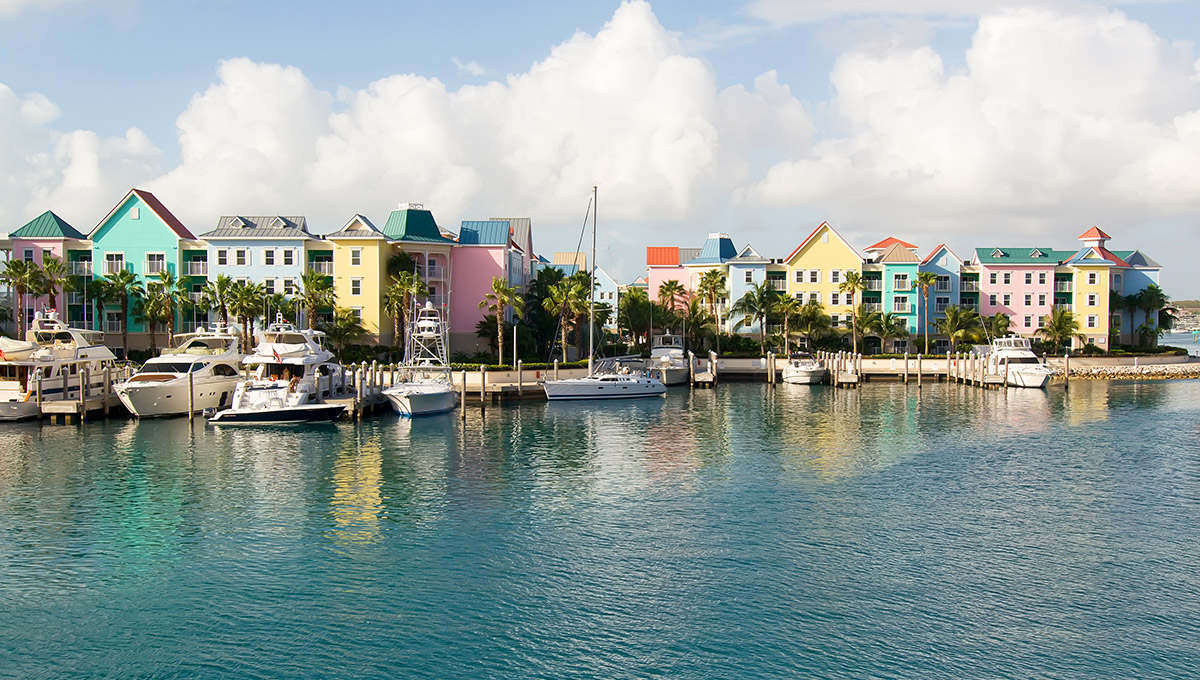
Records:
x=592, y=289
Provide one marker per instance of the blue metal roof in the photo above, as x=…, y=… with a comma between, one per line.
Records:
x=717, y=249
x=484, y=232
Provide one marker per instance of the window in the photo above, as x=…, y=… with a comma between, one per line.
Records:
x=900, y=304
x=1091, y=300
x=269, y=286
x=112, y=321
x=269, y=256
x=1042, y=300
x=222, y=257
x=114, y=262
x=1092, y=276
x=355, y=257
x=243, y=280
x=1028, y=321
x=1116, y=282
x=28, y=255
x=992, y=300
x=799, y=296
x=289, y=286
x=242, y=256
x=1029, y=299
x=1041, y=278
x=799, y=276
x=356, y=286
x=1091, y=321
x=750, y=277
x=824, y=238
x=940, y=304
x=1028, y=278
x=900, y=282
x=833, y=298
x=814, y=276
x=1040, y=321
x=289, y=257
x=835, y=276
x=1007, y=278
x=992, y=278
x=357, y=312
x=833, y=318
x=1007, y=300
x=155, y=263
x=814, y=297
x=943, y=283
x=135, y=213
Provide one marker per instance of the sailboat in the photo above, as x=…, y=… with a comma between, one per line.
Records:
x=608, y=379
x=424, y=387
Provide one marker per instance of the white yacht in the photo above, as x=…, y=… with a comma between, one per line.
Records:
x=609, y=380
x=803, y=369
x=424, y=386
x=1013, y=356
x=160, y=387
x=668, y=362
x=292, y=374
x=52, y=351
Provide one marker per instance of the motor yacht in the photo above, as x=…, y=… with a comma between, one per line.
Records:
x=1013, y=356
x=161, y=386
x=57, y=354
x=424, y=386
x=668, y=362
x=803, y=369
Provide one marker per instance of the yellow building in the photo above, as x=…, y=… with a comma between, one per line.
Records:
x=1092, y=289
x=817, y=268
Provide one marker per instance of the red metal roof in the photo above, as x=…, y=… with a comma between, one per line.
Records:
x=889, y=241
x=165, y=215
x=1108, y=254
x=1094, y=232
x=662, y=256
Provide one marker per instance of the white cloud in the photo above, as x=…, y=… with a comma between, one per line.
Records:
x=791, y=12
x=470, y=68
x=11, y=8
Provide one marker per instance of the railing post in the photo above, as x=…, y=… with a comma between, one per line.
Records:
x=192, y=396
x=107, y=388
x=520, y=376
x=905, y=367
x=83, y=384
x=947, y=365
x=1066, y=370
x=483, y=386
x=919, y=377
x=462, y=396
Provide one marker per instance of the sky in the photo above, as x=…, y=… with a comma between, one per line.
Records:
x=975, y=123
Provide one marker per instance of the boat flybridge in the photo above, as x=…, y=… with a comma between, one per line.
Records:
x=161, y=387
x=57, y=354
x=292, y=376
x=668, y=361
x=424, y=386
x=1013, y=356
x=803, y=369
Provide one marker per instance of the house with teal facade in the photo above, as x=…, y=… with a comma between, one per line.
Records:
x=139, y=235
x=891, y=270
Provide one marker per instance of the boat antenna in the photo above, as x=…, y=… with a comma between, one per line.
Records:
x=592, y=287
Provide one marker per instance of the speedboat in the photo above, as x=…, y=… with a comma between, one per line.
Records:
x=1014, y=356
x=161, y=386
x=424, y=386
x=56, y=354
x=610, y=380
x=803, y=369
x=292, y=376
x=667, y=361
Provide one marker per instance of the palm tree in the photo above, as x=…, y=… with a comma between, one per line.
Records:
x=1151, y=299
x=246, y=302
x=153, y=308
x=1060, y=328
x=345, y=328
x=217, y=294
x=56, y=277
x=567, y=299
x=864, y=321
x=890, y=326
x=670, y=293
x=958, y=324
x=280, y=304
x=712, y=288
x=23, y=277
x=756, y=305
x=316, y=292
x=852, y=284
x=996, y=325
x=175, y=296
x=501, y=297
x=123, y=288
x=633, y=312
x=925, y=281
x=812, y=321
x=399, y=263
x=788, y=309
x=397, y=300
x=699, y=322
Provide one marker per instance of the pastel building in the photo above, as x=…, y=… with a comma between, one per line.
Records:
x=817, y=268
x=947, y=266
x=486, y=250
x=607, y=292
x=889, y=280
x=412, y=229
x=50, y=235
x=665, y=263
x=744, y=271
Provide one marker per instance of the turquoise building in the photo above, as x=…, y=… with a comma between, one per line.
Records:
x=889, y=278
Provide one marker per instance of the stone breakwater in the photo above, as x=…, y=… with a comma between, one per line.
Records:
x=1160, y=372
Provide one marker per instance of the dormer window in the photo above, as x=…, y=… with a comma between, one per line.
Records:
x=1036, y=253
x=997, y=253
x=278, y=223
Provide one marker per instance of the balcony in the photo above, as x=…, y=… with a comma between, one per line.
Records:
x=112, y=325
x=195, y=268
x=872, y=284
x=777, y=284
x=1066, y=307
x=114, y=266
x=970, y=287
x=75, y=299
x=154, y=267
x=195, y=296
x=940, y=307
x=901, y=309
x=321, y=267
x=434, y=271
x=81, y=268
x=969, y=307
x=1062, y=286
x=873, y=306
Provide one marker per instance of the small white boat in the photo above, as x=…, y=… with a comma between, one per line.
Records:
x=668, y=362
x=293, y=375
x=57, y=354
x=424, y=386
x=803, y=369
x=1013, y=356
x=160, y=387
x=608, y=381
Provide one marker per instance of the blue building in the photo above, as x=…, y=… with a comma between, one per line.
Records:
x=947, y=266
x=744, y=271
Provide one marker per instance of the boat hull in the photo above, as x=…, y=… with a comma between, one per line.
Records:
x=805, y=376
x=1030, y=379
x=153, y=400
x=668, y=376
x=291, y=415
x=584, y=389
x=421, y=400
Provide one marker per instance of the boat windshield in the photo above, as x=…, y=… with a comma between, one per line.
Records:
x=207, y=346
x=284, y=338
x=281, y=371
x=170, y=367
x=10, y=372
x=49, y=337
x=1022, y=360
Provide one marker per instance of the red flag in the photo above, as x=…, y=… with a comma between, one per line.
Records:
x=276, y=353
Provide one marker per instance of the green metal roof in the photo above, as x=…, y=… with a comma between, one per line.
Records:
x=411, y=224
x=47, y=225
x=1042, y=256
x=484, y=232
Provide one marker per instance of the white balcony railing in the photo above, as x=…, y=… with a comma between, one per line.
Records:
x=1064, y=307
x=434, y=271
x=195, y=296
x=112, y=326
x=940, y=307
x=196, y=268
x=873, y=284
x=777, y=284
x=154, y=267
x=873, y=306
x=321, y=266
x=969, y=307
x=81, y=268
x=900, y=309
x=970, y=287
x=114, y=266
x=1062, y=286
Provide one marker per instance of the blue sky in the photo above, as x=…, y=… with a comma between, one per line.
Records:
x=971, y=123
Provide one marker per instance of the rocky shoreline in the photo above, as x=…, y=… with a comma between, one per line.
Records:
x=1160, y=372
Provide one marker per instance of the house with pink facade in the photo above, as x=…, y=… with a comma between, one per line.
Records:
x=665, y=263
x=486, y=250
x=49, y=235
x=1020, y=282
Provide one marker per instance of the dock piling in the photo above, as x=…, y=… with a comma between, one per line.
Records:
x=520, y=376
x=462, y=396
x=482, y=387
x=192, y=397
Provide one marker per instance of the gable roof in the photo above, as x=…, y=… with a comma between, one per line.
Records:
x=939, y=248
x=889, y=242
x=47, y=225
x=823, y=225
x=898, y=253
x=485, y=233
x=749, y=256
x=260, y=226
x=1093, y=233
x=522, y=231
x=357, y=226
x=1136, y=258
x=1103, y=256
x=662, y=256
x=411, y=222
x=151, y=201
x=717, y=249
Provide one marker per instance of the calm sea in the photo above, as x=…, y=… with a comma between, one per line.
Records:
x=741, y=533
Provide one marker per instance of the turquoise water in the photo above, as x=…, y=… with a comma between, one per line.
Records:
x=800, y=532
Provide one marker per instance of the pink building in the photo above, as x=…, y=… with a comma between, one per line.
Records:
x=1018, y=282
x=46, y=235
x=665, y=263
x=486, y=250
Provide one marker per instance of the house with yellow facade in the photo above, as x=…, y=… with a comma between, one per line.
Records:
x=817, y=268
